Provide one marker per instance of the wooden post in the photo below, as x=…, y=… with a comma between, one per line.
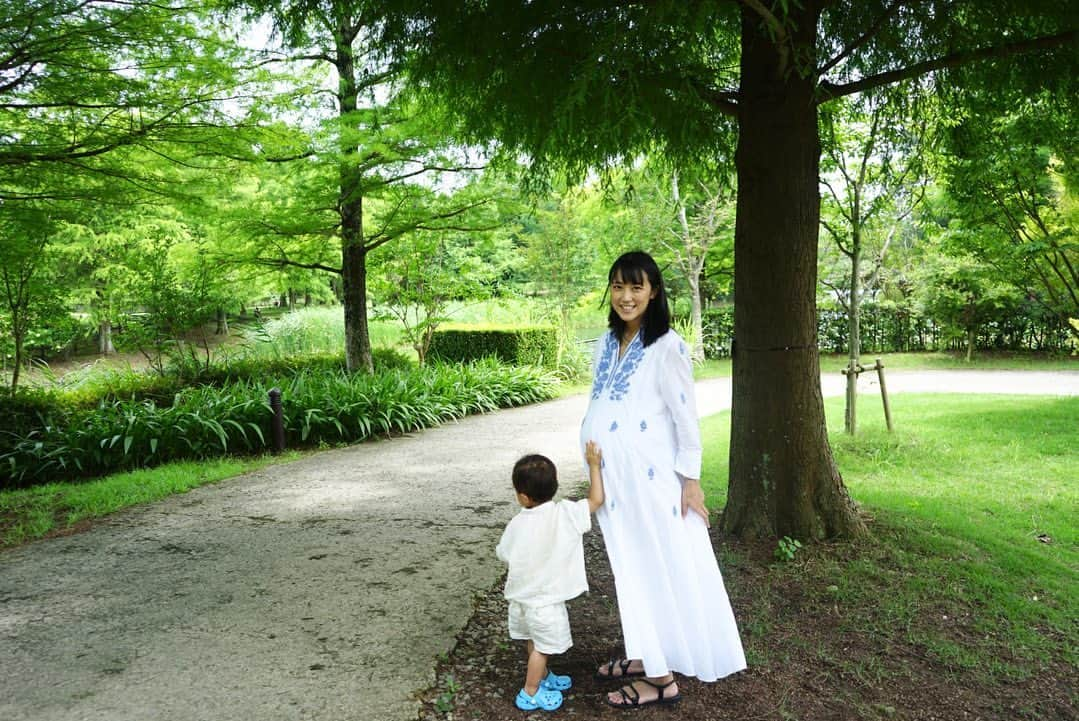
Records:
x=277, y=424
x=850, y=416
x=884, y=394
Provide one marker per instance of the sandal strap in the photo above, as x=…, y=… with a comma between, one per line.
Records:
x=660, y=687
x=628, y=700
x=623, y=665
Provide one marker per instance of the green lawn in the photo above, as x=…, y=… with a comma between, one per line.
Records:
x=31, y=513
x=1002, y=360
x=974, y=544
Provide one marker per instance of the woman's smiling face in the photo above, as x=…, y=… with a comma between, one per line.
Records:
x=629, y=298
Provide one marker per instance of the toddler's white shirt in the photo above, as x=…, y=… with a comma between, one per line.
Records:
x=543, y=548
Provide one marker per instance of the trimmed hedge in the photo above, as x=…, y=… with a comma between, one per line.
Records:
x=521, y=345
x=887, y=327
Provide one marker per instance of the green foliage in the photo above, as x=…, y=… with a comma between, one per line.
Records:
x=307, y=330
x=445, y=701
x=891, y=327
x=320, y=407
x=718, y=331
x=560, y=241
x=426, y=272
x=786, y=549
x=90, y=85
x=389, y=359
x=536, y=346
x=964, y=295
x=1011, y=179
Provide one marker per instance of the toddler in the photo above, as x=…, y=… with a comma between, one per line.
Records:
x=542, y=546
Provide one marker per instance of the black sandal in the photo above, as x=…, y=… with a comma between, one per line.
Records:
x=623, y=665
x=634, y=701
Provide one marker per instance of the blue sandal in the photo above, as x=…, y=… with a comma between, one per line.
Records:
x=545, y=699
x=554, y=682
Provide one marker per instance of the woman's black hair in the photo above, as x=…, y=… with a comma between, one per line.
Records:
x=536, y=477
x=632, y=267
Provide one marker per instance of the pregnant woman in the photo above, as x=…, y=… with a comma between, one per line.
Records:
x=671, y=599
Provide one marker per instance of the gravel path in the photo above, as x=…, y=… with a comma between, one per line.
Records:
x=320, y=589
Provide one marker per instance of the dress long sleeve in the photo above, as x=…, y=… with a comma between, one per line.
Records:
x=676, y=386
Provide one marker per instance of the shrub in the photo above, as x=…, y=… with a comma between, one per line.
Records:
x=302, y=331
x=319, y=406
x=718, y=331
x=525, y=345
x=23, y=410
x=386, y=359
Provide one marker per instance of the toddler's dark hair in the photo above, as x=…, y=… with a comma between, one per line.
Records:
x=536, y=477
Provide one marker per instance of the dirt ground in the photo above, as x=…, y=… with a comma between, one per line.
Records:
x=487, y=668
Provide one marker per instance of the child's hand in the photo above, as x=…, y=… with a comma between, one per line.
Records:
x=592, y=454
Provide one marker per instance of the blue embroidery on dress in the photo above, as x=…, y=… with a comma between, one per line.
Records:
x=651, y=473
x=682, y=348
x=602, y=463
x=644, y=426
x=614, y=426
x=625, y=369
x=603, y=369
x=674, y=511
x=682, y=396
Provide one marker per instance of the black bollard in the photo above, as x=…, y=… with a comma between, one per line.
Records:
x=277, y=421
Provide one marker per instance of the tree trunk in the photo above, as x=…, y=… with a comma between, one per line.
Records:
x=854, y=340
x=783, y=480
x=357, y=340
x=19, y=336
x=222, y=322
x=104, y=337
x=350, y=204
x=354, y=283
x=692, y=267
x=696, y=317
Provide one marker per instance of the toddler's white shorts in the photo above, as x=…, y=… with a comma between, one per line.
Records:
x=547, y=627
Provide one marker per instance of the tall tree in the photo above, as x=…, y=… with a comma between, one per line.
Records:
x=703, y=217
x=102, y=103
x=583, y=84
x=559, y=250
x=26, y=272
x=1013, y=174
x=375, y=148
x=872, y=164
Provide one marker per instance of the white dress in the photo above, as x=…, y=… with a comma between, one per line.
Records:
x=671, y=599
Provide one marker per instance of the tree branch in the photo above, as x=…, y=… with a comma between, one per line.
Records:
x=724, y=101
x=286, y=263
x=830, y=91
x=863, y=38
